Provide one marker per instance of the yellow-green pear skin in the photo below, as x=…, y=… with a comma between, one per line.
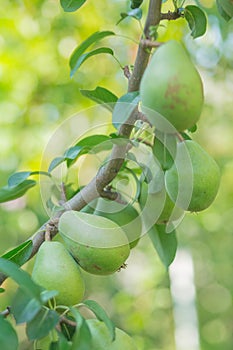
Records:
x=199, y=172
x=101, y=339
x=125, y=216
x=98, y=244
x=172, y=86
x=55, y=269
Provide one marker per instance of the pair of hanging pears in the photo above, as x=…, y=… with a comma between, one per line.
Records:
x=96, y=244
x=172, y=98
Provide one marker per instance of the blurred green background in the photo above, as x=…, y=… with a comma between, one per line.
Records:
x=37, y=95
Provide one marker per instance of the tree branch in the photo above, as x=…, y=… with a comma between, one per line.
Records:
x=171, y=15
x=143, y=54
x=108, y=172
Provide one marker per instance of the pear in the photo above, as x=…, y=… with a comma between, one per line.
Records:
x=98, y=244
x=194, y=178
x=125, y=216
x=160, y=207
x=171, y=86
x=55, y=269
x=101, y=339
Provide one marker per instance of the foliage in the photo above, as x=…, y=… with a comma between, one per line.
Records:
x=32, y=305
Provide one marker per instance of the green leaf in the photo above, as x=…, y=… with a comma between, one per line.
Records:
x=42, y=324
x=20, y=254
x=63, y=343
x=185, y=136
x=193, y=128
x=93, y=140
x=101, y=96
x=222, y=12
x=196, y=19
x=82, y=147
x=21, y=277
x=138, y=183
x=95, y=37
x=9, y=193
x=82, y=337
x=8, y=336
x=87, y=55
x=164, y=149
x=137, y=3
x=164, y=243
x=55, y=162
x=135, y=13
x=74, y=151
x=19, y=177
x=2, y=290
x=24, y=307
x=124, y=107
x=54, y=346
x=71, y=5
x=101, y=315
x=47, y=295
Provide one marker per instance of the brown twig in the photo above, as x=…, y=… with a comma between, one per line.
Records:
x=126, y=71
x=170, y=15
x=143, y=118
x=180, y=137
x=143, y=55
x=6, y=312
x=65, y=320
x=63, y=193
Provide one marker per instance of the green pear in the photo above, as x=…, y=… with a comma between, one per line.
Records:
x=227, y=6
x=125, y=216
x=171, y=86
x=194, y=178
x=98, y=244
x=101, y=339
x=160, y=207
x=55, y=269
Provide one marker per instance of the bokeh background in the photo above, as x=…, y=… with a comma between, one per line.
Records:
x=188, y=307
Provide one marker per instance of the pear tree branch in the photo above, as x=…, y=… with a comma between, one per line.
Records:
x=96, y=187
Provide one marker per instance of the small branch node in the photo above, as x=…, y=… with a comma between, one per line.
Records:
x=171, y=15
x=126, y=71
x=147, y=43
x=51, y=228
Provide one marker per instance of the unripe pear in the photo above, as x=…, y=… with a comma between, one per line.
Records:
x=162, y=214
x=125, y=216
x=98, y=244
x=171, y=86
x=55, y=269
x=101, y=339
x=195, y=175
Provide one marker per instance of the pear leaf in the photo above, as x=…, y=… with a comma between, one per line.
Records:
x=164, y=243
x=196, y=19
x=71, y=5
x=8, y=336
